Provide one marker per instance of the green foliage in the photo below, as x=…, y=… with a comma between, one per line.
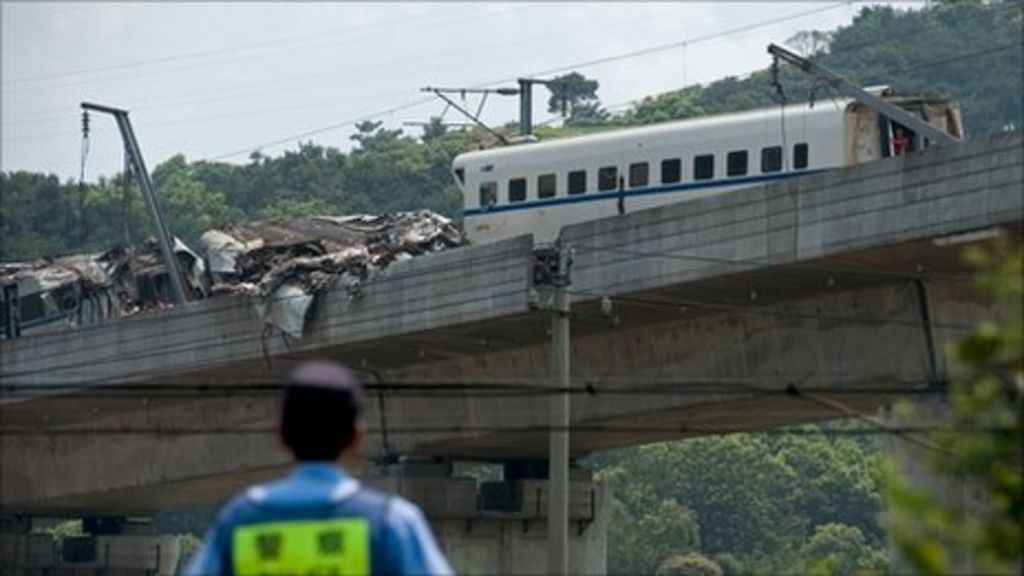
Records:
x=570, y=91
x=969, y=51
x=752, y=502
x=65, y=529
x=39, y=215
x=841, y=550
x=677, y=105
x=191, y=207
x=386, y=171
x=691, y=564
x=189, y=545
x=937, y=535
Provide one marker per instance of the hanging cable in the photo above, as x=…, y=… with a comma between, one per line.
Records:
x=781, y=94
x=126, y=180
x=81, y=177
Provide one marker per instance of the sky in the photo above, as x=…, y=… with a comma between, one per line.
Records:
x=216, y=81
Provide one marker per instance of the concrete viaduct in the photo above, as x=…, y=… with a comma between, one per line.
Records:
x=805, y=299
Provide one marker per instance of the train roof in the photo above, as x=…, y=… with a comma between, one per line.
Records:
x=621, y=136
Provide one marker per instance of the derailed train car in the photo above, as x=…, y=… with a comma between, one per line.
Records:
x=51, y=293
x=539, y=187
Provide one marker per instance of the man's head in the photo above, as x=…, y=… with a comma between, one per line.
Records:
x=320, y=413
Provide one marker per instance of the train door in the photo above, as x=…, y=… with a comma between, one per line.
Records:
x=896, y=139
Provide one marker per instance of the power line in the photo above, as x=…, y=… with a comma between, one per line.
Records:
x=683, y=429
x=364, y=31
x=315, y=131
x=564, y=68
x=530, y=387
x=685, y=43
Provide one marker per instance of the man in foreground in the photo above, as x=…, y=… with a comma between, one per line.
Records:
x=319, y=519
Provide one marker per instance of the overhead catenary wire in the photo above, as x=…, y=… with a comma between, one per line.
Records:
x=366, y=30
x=682, y=429
x=583, y=64
x=525, y=387
x=976, y=54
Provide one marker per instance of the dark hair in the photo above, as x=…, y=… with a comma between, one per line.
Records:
x=318, y=423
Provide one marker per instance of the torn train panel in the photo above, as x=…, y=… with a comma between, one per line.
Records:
x=141, y=278
x=87, y=288
x=286, y=264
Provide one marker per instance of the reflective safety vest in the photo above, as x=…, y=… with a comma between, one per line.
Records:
x=336, y=546
x=318, y=521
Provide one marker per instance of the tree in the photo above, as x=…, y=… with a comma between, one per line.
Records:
x=676, y=105
x=691, y=564
x=570, y=91
x=841, y=550
x=937, y=535
x=191, y=207
x=645, y=528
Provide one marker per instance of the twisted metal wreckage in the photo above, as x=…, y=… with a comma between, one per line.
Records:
x=282, y=265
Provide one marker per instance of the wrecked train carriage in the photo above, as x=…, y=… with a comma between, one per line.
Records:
x=286, y=264
x=51, y=293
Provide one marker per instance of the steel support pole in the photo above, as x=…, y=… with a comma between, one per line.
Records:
x=166, y=246
x=124, y=125
x=558, y=456
x=525, y=106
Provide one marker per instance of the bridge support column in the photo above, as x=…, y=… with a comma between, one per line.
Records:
x=500, y=526
x=108, y=547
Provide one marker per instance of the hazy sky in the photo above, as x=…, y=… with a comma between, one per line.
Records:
x=208, y=79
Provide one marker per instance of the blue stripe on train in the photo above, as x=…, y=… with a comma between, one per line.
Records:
x=614, y=194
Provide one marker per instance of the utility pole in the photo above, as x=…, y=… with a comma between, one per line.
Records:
x=178, y=293
x=558, y=447
x=525, y=93
x=850, y=89
x=526, y=103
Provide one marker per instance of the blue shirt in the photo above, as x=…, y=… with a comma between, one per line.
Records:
x=399, y=539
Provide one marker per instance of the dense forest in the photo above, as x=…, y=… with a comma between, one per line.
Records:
x=796, y=501
x=970, y=51
x=801, y=501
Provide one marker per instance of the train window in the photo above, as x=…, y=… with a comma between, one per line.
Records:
x=607, y=178
x=638, y=173
x=488, y=194
x=704, y=167
x=671, y=171
x=736, y=163
x=460, y=173
x=577, y=182
x=800, y=156
x=546, y=186
x=771, y=159
x=517, y=190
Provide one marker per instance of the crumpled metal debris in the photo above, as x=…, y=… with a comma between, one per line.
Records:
x=286, y=264
x=85, y=288
x=140, y=279
x=57, y=291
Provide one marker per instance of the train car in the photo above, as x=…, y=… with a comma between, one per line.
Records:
x=541, y=186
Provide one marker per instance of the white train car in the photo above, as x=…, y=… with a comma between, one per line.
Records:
x=539, y=187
